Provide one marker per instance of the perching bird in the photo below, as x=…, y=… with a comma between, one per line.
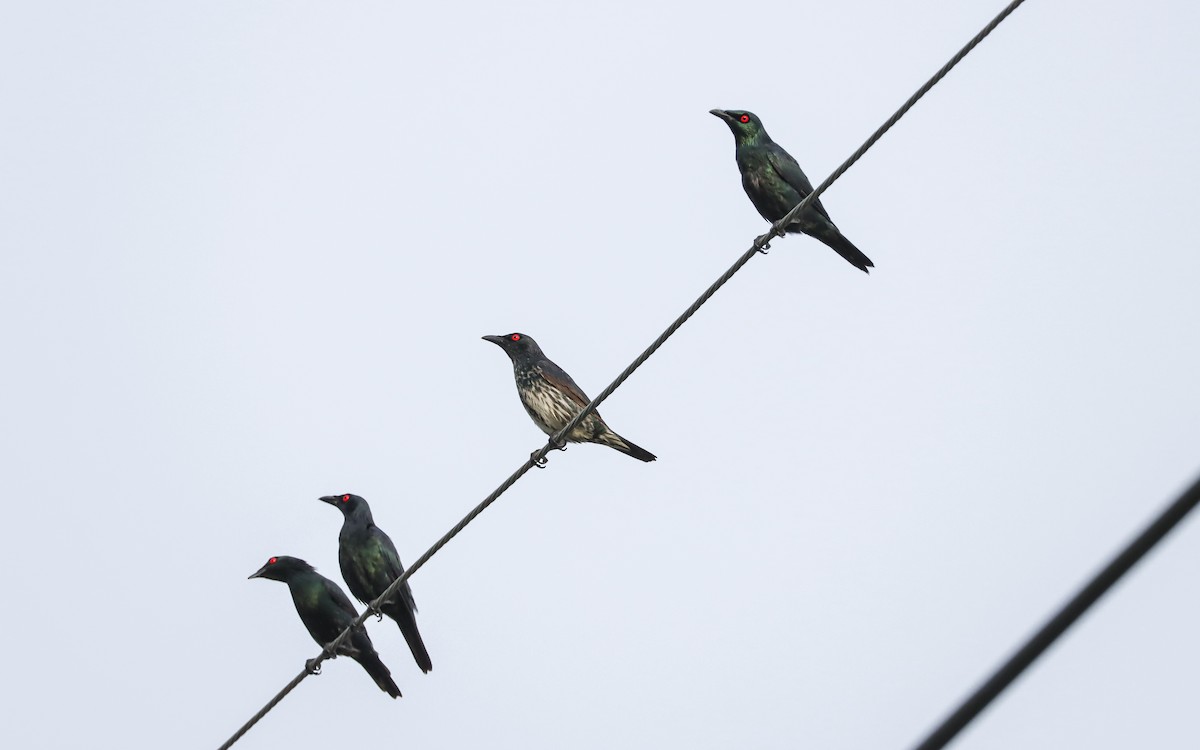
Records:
x=552, y=398
x=370, y=563
x=776, y=184
x=326, y=611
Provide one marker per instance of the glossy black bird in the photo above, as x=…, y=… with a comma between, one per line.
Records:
x=552, y=398
x=370, y=563
x=776, y=184
x=326, y=611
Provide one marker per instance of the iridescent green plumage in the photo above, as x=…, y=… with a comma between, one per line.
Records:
x=326, y=611
x=370, y=563
x=776, y=185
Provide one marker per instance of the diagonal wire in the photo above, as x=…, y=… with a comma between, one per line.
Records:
x=1004, y=675
x=885, y=127
x=556, y=441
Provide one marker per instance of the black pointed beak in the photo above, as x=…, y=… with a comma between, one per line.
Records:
x=258, y=573
x=331, y=499
x=722, y=114
x=497, y=340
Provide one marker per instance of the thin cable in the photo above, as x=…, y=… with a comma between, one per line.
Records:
x=974, y=704
x=885, y=127
x=556, y=441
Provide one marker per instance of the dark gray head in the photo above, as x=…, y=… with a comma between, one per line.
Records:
x=746, y=126
x=282, y=568
x=517, y=346
x=349, y=505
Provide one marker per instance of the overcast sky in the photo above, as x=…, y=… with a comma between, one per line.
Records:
x=249, y=249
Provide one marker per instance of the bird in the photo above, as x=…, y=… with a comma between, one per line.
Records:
x=552, y=398
x=370, y=563
x=326, y=611
x=776, y=185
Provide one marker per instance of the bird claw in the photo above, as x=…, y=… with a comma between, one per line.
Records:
x=377, y=612
x=763, y=243
x=312, y=666
x=539, y=462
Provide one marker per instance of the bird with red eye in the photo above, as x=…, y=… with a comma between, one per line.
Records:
x=326, y=611
x=552, y=399
x=370, y=563
x=775, y=184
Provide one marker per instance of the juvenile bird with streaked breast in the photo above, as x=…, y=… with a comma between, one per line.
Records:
x=370, y=563
x=326, y=611
x=776, y=185
x=552, y=399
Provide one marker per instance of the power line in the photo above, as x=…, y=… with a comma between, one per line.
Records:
x=538, y=457
x=974, y=704
x=885, y=127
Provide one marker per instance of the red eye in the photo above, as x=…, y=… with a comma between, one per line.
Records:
x=345, y=498
x=744, y=118
x=515, y=337
x=272, y=561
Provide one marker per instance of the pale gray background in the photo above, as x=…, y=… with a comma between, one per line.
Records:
x=249, y=251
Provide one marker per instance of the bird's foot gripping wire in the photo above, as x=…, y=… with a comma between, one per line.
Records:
x=541, y=462
x=312, y=666
x=377, y=612
x=763, y=242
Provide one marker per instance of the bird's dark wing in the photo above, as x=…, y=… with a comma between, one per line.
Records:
x=390, y=560
x=323, y=608
x=366, y=564
x=557, y=377
x=339, y=599
x=370, y=563
x=788, y=169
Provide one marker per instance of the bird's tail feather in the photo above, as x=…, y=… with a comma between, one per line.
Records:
x=613, y=440
x=845, y=248
x=408, y=628
x=379, y=672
